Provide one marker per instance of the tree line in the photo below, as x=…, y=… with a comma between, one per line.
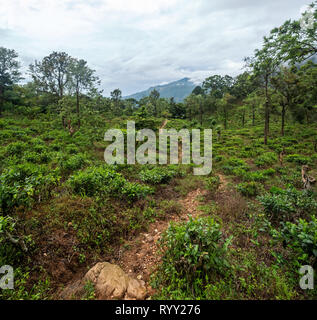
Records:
x=280, y=78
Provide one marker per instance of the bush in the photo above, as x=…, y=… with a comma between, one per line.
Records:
x=213, y=183
x=35, y=157
x=299, y=159
x=22, y=184
x=234, y=164
x=158, y=175
x=16, y=148
x=250, y=189
x=302, y=238
x=281, y=204
x=73, y=163
x=260, y=175
x=104, y=180
x=193, y=252
x=266, y=159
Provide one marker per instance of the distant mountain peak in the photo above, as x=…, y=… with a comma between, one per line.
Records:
x=178, y=89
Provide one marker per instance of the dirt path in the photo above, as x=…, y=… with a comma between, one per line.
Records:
x=142, y=257
x=223, y=182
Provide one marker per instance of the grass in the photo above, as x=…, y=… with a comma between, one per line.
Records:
x=71, y=211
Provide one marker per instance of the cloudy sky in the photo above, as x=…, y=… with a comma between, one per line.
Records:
x=135, y=44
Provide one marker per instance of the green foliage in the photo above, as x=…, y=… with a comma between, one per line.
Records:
x=158, y=175
x=266, y=159
x=104, y=180
x=301, y=237
x=283, y=204
x=193, y=252
x=250, y=189
x=22, y=184
x=213, y=183
x=233, y=164
x=16, y=148
x=74, y=162
x=298, y=159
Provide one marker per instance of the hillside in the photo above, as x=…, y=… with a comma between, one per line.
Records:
x=179, y=89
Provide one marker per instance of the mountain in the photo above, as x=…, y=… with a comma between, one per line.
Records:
x=179, y=89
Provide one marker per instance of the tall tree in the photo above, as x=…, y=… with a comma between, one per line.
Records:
x=296, y=40
x=253, y=101
x=52, y=74
x=154, y=96
x=264, y=64
x=218, y=86
x=9, y=71
x=116, y=96
x=225, y=104
x=285, y=83
x=82, y=78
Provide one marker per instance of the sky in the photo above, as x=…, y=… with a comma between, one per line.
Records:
x=136, y=44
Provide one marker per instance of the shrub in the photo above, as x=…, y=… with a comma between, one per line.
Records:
x=158, y=175
x=266, y=159
x=282, y=204
x=22, y=184
x=250, y=189
x=16, y=148
x=104, y=180
x=260, y=175
x=213, y=183
x=192, y=252
x=73, y=163
x=234, y=164
x=302, y=238
x=35, y=157
x=299, y=159
x=72, y=149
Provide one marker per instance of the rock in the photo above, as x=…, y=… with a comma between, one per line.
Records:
x=136, y=290
x=111, y=282
x=139, y=277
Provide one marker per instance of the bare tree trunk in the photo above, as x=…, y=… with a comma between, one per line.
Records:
x=1, y=101
x=267, y=113
x=283, y=118
x=225, y=119
x=77, y=108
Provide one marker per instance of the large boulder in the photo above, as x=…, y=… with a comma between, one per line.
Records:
x=110, y=282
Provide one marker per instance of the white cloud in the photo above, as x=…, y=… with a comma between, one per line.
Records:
x=134, y=44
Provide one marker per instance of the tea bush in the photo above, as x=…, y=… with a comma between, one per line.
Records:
x=75, y=162
x=104, y=180
x=281, y=204
x=213, y=183
x=302, y=238
x=298, y=159
x=233, y=164
x=250, y=189
x=158, y=175
x=266, y=159
x=16, y=148
x=22, y=184
x=193, y=252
